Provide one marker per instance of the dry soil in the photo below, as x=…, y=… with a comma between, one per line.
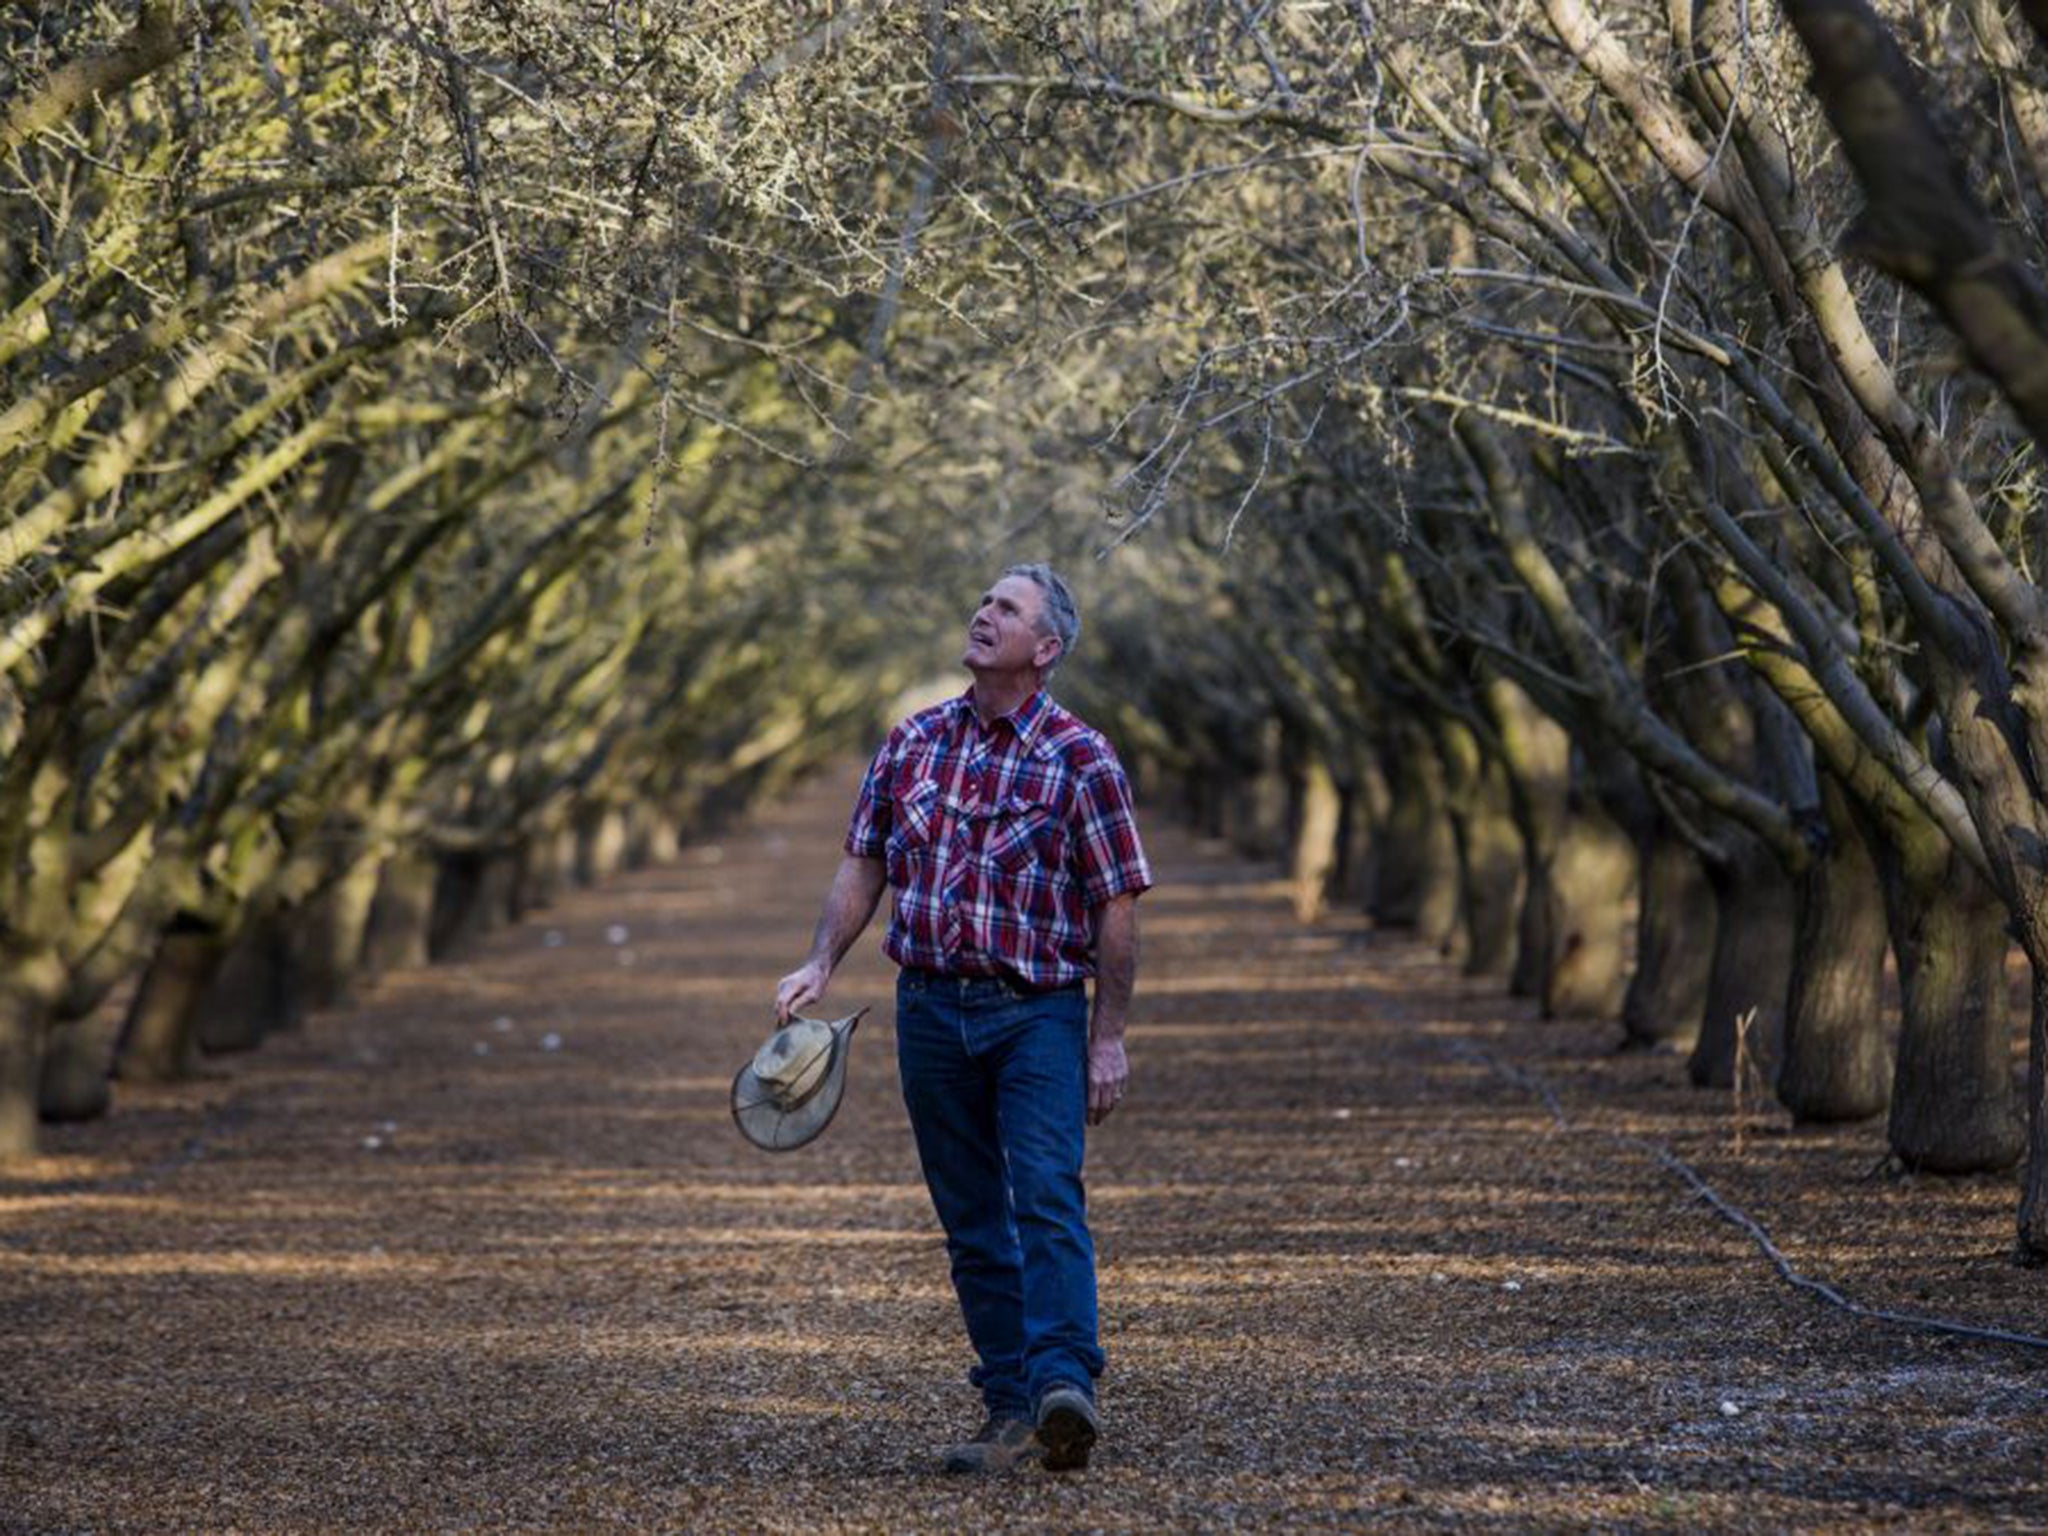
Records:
x=485, y=1252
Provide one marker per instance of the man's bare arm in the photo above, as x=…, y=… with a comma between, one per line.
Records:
x=1116, y=977
x=856, y=890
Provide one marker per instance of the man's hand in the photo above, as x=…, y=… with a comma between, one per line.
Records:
x=1109, y=1074
x=800, y=988
x=1116, y=972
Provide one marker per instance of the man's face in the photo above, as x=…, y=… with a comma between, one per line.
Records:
x=1003, y=635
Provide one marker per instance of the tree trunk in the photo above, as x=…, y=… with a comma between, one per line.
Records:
x=1415, y=878
x=1490, y=872
x=1750, y=974
x=1953, y=1106
x=251, y=995
x=1675, y=921
x=1535, y=927
x=327, y=935
x=547, y=865
x=2033, y=1229
x=472, y=896
x=1587, y=890
x=533, y=883
x=1536, y=758
x=1314, y=860
x=159, y=1041
x=1204, y=791
x=401, y=917
x=600, y=843
x=1837, y=1064
x=1362, y=808
x=652, y=837
x=72, y=1083
x=1258, y=820
x=30, y=983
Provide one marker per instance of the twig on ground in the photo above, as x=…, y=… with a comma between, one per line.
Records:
x=1532, y=1083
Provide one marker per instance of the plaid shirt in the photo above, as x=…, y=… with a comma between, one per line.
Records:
x=1000, y=840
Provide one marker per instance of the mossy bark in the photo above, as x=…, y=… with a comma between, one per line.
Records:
x=401, y=917
x=1749, y=978
x=1953, y=1105
x=1836, y=1062
x=160, y=1038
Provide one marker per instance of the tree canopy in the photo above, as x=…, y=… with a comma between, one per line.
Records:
x=1586, y=451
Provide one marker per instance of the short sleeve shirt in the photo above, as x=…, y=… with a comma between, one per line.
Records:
x=999, y=840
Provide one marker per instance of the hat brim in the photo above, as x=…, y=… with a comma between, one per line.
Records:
x=775, y=1129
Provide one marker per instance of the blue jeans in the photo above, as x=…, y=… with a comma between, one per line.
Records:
x=996, y=1082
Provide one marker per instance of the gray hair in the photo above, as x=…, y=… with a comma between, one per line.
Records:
x=1060, y=618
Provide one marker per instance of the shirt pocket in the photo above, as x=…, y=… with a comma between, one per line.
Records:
x=1024, y=833
x=913, y=821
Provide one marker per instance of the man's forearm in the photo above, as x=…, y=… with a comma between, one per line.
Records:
x=856, y=890
x=1116, y=966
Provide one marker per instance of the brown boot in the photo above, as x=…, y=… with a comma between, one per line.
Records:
x=1067, y=1429
x=999, y=1445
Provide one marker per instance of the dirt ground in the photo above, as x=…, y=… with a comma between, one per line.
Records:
x=485, y=1252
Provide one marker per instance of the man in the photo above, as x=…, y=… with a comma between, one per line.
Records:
x=1005, y=826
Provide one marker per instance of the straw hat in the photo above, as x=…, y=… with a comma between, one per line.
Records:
x=791, y=1089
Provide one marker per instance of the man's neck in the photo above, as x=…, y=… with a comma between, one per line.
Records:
x=996, y=696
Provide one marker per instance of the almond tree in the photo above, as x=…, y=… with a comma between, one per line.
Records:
x=377, y=379
x=1633, y=264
